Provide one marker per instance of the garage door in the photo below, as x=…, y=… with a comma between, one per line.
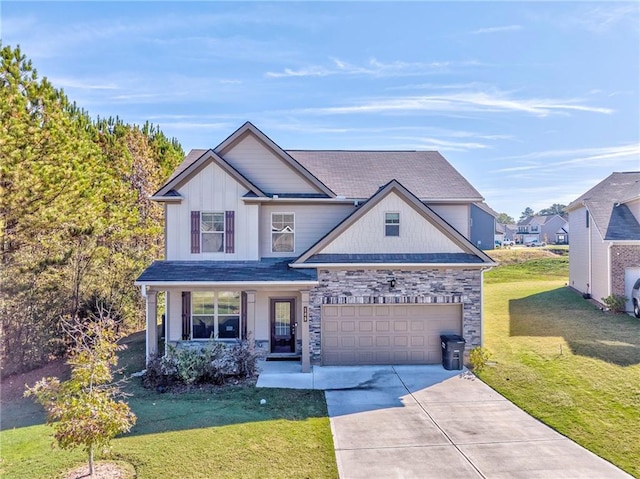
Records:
x=387, y=334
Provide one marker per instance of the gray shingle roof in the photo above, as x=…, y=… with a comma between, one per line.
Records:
x=359, y=174
x=428, y=258
x=191, y=157
x=614, y=221
x=267, y=269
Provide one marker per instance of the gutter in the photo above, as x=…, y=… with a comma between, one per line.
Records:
x=245, y=284
x=482, y=266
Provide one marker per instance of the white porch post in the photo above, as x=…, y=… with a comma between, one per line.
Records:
x=306, y=356
x=152, y=323
x=251, y=316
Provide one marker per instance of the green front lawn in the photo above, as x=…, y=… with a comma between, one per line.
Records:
x=564, y=361
x=223, y=434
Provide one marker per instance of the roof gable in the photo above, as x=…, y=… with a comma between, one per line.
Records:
x=257, y=157
x=193, y=163
x=607, y=206
x=423, y=233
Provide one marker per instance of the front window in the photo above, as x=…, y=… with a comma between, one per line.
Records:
x=212, y=228
x=392, y=224
x=228, y=315
x=203, y=315
x=282, y=233
x=215, y=315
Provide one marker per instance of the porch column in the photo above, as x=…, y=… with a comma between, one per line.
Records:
x=251, y=316
x=306, y=356
x=152, y=323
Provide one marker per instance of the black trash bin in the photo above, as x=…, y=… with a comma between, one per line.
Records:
x=452, y=351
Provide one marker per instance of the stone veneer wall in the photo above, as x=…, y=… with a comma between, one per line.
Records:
x=622, y=256
x=420, y=287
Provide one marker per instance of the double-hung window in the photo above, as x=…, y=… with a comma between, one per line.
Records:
x=215, y=315
x=392, y=224
x=212, y=230
x=282, y=232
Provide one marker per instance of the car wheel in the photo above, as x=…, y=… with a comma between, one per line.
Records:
x=636, y=308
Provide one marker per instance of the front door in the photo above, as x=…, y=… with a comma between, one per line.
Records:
x=283, y=325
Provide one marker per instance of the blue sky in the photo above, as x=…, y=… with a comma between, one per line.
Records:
x=533, y=102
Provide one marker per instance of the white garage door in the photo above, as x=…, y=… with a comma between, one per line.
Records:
x=631, y=275
x=387, y=334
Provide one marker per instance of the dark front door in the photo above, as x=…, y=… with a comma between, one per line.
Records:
x=282, y=325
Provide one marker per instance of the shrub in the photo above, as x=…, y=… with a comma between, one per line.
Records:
x=616, y=303
x=213, y=363
x=478, y=357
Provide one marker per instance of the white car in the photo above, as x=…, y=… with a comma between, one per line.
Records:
x=635, y=298
x=508, y=243
x=535, y=242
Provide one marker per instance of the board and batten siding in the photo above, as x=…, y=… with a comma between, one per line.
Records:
x=367, y=234
x=256, y=162
x=312, y=222
x=579, y=250
x=458, y=216
x=212, y=190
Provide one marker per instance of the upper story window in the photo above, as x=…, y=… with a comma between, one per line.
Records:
x=282, y=232
x=212, y=230
x=392, y=224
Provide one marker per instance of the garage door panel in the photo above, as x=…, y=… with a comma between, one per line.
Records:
x=387, y=334
x=400, y=325
x=382, y=326
x=401, y=341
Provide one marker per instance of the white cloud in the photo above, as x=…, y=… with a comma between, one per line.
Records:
x=506, y=28
x=76, y=84
x=601, y=19
x=372, y=68
x=467, y=101
x=570, y=158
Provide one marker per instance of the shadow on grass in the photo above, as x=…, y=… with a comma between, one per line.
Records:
x=159, y=413
x=613, y=338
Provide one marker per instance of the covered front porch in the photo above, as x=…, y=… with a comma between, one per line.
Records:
x=263, y=302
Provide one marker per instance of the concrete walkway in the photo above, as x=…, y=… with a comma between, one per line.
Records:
x=426, y=422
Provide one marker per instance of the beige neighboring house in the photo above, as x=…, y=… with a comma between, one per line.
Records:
x=325, y=257
x=604, y=257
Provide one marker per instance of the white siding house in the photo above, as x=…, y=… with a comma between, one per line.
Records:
x=605, y=237
x=260, y=241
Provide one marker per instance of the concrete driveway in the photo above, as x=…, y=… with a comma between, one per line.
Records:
x=426, y=422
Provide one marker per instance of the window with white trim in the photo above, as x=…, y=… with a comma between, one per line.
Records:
x=282, y=232
x=392, y=224
x=212, y=231
x=215, y=315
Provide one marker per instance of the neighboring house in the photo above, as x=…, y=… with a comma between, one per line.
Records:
x=335, y=257
x=562, y=235
x=483, y=226
x=541, y=228
x=604, y=257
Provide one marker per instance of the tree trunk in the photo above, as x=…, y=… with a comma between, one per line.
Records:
x=91, y=460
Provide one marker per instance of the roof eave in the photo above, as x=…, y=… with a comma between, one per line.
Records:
x=483, y=265
x=245, y=284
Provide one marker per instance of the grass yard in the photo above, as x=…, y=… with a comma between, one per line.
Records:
x=222, y=434
x=561, y=359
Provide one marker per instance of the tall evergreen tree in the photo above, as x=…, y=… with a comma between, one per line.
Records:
x=76, y=222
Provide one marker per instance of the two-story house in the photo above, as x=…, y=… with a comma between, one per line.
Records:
x=335, y=257
x=604, y=258
x=547, y=229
